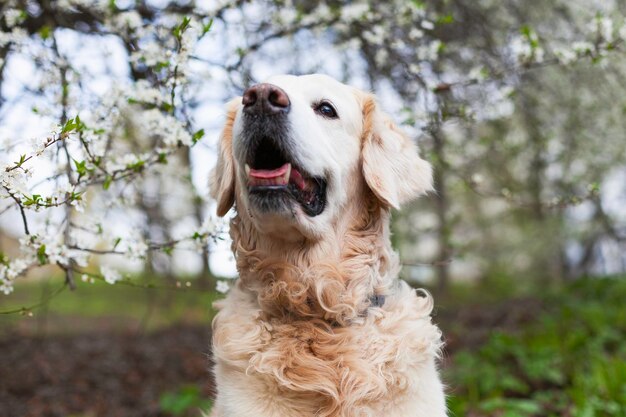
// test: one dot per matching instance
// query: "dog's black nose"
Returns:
(265, 99)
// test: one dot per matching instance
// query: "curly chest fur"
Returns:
(299, 367)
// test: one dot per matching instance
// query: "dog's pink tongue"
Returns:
(297, 179)
(278, 176)
(269, 173)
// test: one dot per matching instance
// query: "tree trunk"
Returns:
(442, 206)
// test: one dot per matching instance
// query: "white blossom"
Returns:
(428, 25)
(98, 5)
(602, 27)
(477, 73)
(287, 16)
(17, 35)
(414, 69)
(215, 5)
(381, 56)
(622, 32)
(137, 249)
(416, 33)
(6, 286)
(354, 11)
(79, 203)
(126, 20)
(565, 55)
(145, 93)
(477, 178)
(150, 54)
(155, 123)
(582, 47)
(430, 51)
(13, 17)
(208, 226)
(222, 286)
(15, 180)
(525, 49)
(18, 266)
(111, 276)
(80, 258)
(375, 35)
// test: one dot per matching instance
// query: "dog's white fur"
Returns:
(297, 336)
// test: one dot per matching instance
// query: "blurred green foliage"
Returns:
(121, 306)
(185, 401)
(568, 359)
(571, 361)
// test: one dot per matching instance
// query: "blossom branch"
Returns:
(21, 208)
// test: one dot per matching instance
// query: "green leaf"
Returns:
(41, 255)
(71, 125)
(530, 35)
(81, 167)
(167, 107)
(76, 196)
(180, 29)
(107, 182)
(30, 201)
(112, 6)
(116, 242)
(444, 20)
(45, 32)
(21, 161)
(80, 126)
(197, 136)
(161, 65)
(136, 166)
(206, 28)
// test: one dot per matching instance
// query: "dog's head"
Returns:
(297, 149)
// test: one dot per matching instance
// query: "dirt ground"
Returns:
(123, 374)
(100, 374)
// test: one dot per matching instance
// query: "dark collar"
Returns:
(377, 300)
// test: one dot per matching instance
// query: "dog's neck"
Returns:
(334, 279)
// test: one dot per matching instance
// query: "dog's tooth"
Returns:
(247, 168)
(286, 175)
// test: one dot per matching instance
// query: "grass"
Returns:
(570, 361)
(118, 306)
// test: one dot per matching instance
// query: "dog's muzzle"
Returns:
(275, 177)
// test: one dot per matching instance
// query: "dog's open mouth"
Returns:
(272, 177)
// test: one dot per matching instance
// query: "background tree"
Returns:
(517, 105)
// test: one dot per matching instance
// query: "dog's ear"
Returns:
(391, 164)
(222, 178)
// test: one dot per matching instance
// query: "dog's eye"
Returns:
(326, 109)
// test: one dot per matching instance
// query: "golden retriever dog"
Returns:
(318, 323)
